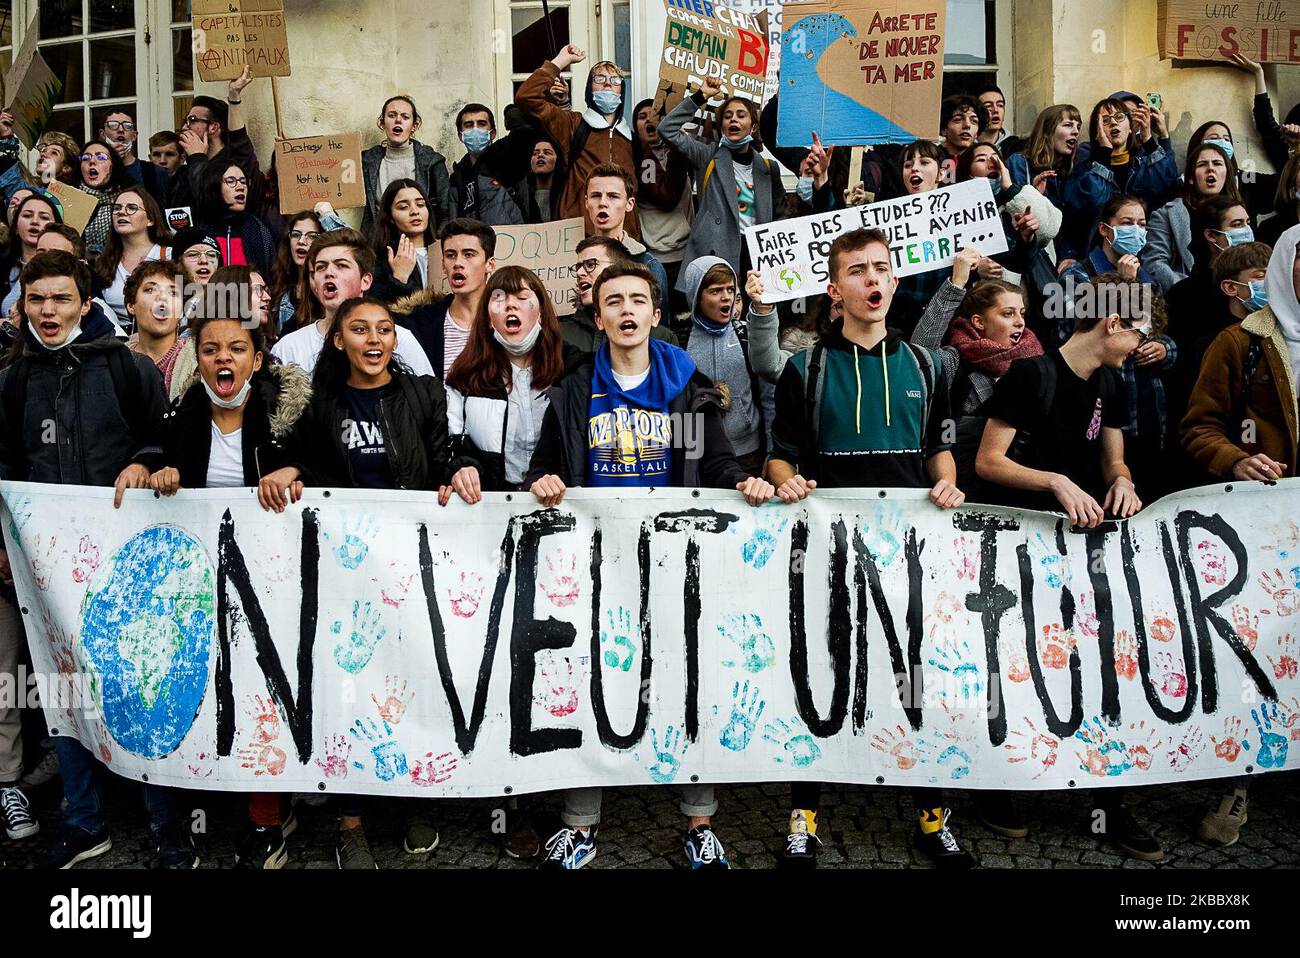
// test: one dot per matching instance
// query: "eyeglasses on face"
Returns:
(130, 209)
(126, 125)
(191, 120)
(584, 266)
(200, 256)
(298, 235)
(605, 80)
(97, 157)
(235, 180)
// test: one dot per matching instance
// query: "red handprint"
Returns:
(105, 748)
(466, 595)
(1173, 680)
(435, 771)
(1246, 626)
(1229, 747)
(266, 718)
(86, 562)
(1214, 565)
(393, 708)
(562, 586)
(1055, 646)
(559, 696)
(263, 760)
(1126, 648)
(1035, 746)
(334, 764)
(1285, 666)
(1284, 596)
(898, 747)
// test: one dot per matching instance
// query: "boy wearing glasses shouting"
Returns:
(597, 136)
(594, 255)
(212, 138)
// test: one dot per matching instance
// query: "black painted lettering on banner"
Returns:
(1059, 728)
(909, 678)
(837, 631)
(992, 601)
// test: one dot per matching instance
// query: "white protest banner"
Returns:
(315, 169)
(925, 232)
(374, 642)
(706, 39)
(548, 249)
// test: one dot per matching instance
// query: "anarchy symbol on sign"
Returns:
(211, 59)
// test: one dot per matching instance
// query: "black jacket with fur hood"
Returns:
(276, 402)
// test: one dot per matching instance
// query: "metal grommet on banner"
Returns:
(509, 497)
(694, 779)
(1250, 769)
(25, 612)
(157, 494)
(880, 780)
(320, 786)
(1071, 783)
(144, 778)
(695, 493)
(1227, 488)
(54, 731)
(509, 790)
(326, 493)
(883, 494)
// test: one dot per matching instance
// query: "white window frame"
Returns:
(583, 28)
(1004, 50)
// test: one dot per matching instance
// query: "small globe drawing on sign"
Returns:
(790, 278)
(146, 628)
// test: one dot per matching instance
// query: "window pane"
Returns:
(182, 59)
(112, 68)
(65, 60)
(180, 11)
(970, 39)
(181, 110)
(111, 15)
(100, 113)
(531, 45)
(60, 18)
(966, 81)
(6, 23)
(71, 122)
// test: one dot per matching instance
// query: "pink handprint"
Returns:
(203, 765)
(1285, 666)
(562, 587)
(466, 594)
(967, 558)
(1085, 617)
(396, 584)
(86, 562)
(438, 769)
(559, 696)
(1173, 680)
(1214, 565)
(393, 708)
(1284, 596)
(1185, 753)
(334, 764)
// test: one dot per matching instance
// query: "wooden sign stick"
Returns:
(275, 101)
(855, 165)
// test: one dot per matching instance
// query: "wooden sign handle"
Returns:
(855, 165)
(275, 101)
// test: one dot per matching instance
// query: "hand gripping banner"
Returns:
(373, 642)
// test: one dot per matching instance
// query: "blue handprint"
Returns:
(958, 661)
(760, 546)
(355, 653)
(668, 760)
(358, 533)
(884, 533)
(746, 708)
(622, 650)
(745, 630)
(390, 760)
(799, 747)
(1272, 746)
(1049, 560)
(20, 513)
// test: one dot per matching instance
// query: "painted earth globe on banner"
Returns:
(147, 631)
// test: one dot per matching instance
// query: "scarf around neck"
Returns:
(987, 356)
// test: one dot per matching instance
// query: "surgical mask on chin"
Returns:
(524, 346)
(234, 402)
(76, 331)
(1225, 145)
(740, 144)
(1258, 294)
(606, 101)
(805, 188)
(476, 140)
(1129, 240)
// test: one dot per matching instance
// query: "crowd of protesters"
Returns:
(1061, 399)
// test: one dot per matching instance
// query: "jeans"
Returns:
(582, 805)
(11, 721)
(78, 769)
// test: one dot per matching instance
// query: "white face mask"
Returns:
(76, 331)
(524, 346)
(235, 402)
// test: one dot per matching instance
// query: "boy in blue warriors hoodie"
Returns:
(637, 414)
(864, 408)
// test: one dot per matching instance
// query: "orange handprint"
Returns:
(1055, 646)
(1126, 648)
(1230, 746)
(898, 747)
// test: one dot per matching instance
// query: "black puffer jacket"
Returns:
(102, 400)
(414, 424)
(276, 401)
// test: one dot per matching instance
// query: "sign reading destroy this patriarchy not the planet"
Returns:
(703, 40)
(860, 72)
(320, 169)
(375, 642)
(925, 232)
(232, 34)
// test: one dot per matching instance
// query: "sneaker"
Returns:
(74, 845)
(942, 846)
(262, 847)
(44, 771)
(352, 849)
(17, 812)
(1222, 825)
(569, 848)
(522, 840)
(421, 836)
(704, 850)
(1001, 814)
(1132, 837)
(802, 843)
(175, 848)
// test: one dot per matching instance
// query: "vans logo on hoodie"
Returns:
(914, 394)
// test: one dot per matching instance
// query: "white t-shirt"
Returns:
(115, 295)
(453, 342)
(226, 459)
(481, 420)
(302, 348)
(628, 383)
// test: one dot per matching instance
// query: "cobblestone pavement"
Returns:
(862, 827)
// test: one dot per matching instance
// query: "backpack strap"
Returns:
(925, 363)
(13, 400)
(129, 389)
(814, 385)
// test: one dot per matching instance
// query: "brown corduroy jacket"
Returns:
(601, 147)
(1220, 429)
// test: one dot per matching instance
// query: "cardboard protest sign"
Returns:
(1194, 30)
(31, 89)
(771, 10)
(77, 207)
(860, 72)
(548, 249)
(229, 34)
(703, 39)
(315, 169)
(925, 232)
(520, 673)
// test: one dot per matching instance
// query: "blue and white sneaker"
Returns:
(569, 848)
(704, 850)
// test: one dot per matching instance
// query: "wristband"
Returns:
(233, 102)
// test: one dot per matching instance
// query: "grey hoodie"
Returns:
(721, 357)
